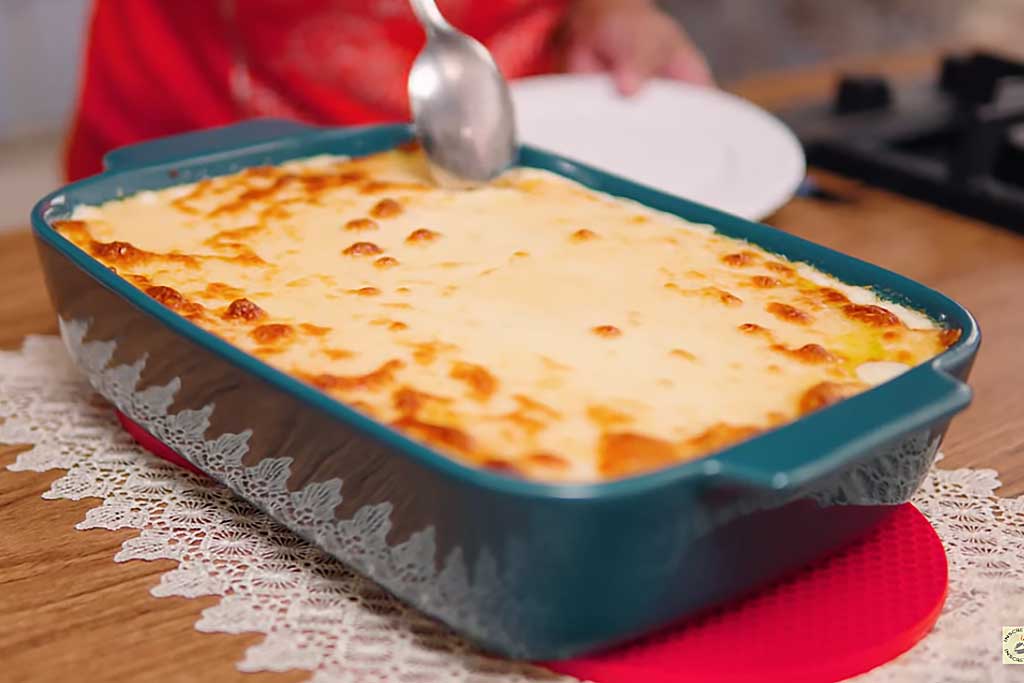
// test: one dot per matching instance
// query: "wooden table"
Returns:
(67, 610)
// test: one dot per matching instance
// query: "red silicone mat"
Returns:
(840, 617)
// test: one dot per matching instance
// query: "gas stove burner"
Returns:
(957, 142)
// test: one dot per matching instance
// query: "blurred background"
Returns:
(40, 43)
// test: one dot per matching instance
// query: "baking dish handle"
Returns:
(826, 442)
(201, 143)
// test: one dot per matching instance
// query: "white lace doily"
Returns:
(319, 616)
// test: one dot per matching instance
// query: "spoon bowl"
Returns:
(461, 105)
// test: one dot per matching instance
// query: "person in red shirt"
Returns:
(160, 67)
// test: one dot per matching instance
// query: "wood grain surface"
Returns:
(68, 612)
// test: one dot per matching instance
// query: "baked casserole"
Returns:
(531, 326)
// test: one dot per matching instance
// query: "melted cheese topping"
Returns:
(532, 326)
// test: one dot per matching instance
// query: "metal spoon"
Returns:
(461, 105)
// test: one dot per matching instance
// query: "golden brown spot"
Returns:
(409, 401)
(683, 353)
(788, 313)
(530, 416)
(197, 192)
(808, 353)
(243, 309)
(349, 177)
(362, 249)
(725, 297)
(482, 383)
(243, 255)
(520, 254)
(421, 235)
(253, 195)
(764, 282)
(274, 212)
(122, 253)
(173, 299)
(825, 394)
(169, 297)
(950, 336)
(383, 375)
(363, 407)
(386, 208)
(625, 453)
(435, 434)
(752, 328)
(832, 296)
(361, 224)
(377, 186)
(76, 231)
(338, 354)
(398, 326)
(891, 335)
(547, 461)
(904, 356)
(365, 291)
(606, 331)
(315, 330)
(402, 290)
(316, 183)
(524, 421)
(583, 235)
(872, 315)
(639, 219)
(740, 259)
(607, 417)
(529, 404)
(386, 262)
(500, 466)
(778, 267)
(426, 353)
(268, 334)
(182, 205)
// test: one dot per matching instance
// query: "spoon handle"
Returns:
(430, 16)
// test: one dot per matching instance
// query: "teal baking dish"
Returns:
(525, 569)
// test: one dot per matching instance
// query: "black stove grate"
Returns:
(957, 142)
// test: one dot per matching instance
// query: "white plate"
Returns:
(698, 143)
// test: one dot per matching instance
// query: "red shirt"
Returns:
(159, 67)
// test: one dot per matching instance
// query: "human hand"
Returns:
(633, 40)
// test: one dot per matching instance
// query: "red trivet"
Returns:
(839, 617)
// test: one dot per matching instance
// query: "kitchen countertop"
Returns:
(67, 610)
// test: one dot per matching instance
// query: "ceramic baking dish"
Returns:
(524, 568)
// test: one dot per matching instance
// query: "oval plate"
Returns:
(695, 142)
